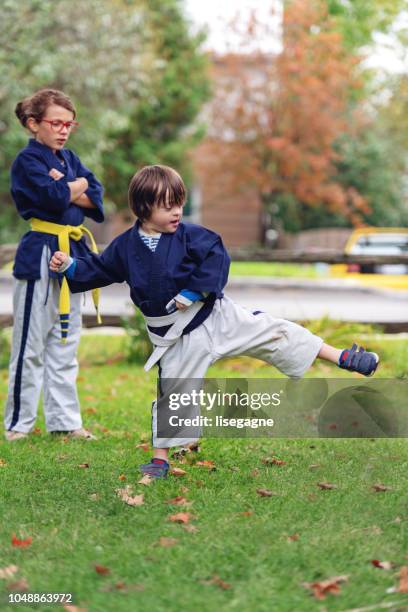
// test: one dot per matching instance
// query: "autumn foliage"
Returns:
(276, 117)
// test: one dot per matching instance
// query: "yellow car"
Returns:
(376, 241)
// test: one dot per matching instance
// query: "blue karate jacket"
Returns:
(37, 195)
(192, 258)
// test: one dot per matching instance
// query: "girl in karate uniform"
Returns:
(54, 192)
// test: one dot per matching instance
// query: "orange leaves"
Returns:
(273, 461)
(145, 446)
(321, 589)
(385, 565)
(403, 577)
(181, 517)
(102, 570)
(16, 542)
(216, 580)
(179, 501)
(207, 464)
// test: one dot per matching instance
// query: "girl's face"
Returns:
(52, 136)
(163, 219)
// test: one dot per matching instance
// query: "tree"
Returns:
(157, 129)
(280, 117)
(106, 54)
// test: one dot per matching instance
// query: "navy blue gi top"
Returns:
(38, 195)
(192, 258)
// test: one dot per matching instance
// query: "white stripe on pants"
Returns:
(229, 331)
(40, 360)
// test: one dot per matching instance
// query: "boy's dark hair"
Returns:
(155, 185)
(36, 105)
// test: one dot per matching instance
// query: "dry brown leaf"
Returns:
(179, 501)
(322, 588)
(314, 466)
(8, 572)
(122, 477)
(403, 576)
(3, 462)
(146, 480)
(326, 485)
(216, 580)
(91, 411)
(129, 499)
(167, 542)
(83, 465)
(293, 538)
(190, 528)
(18, 585)
(207, 464)
(273, 461)
(102, 570)
(144, 446)
(72, 608)
(265, 492)
(385, 565)
(181, 517)
(380, 488)
(245, 513)
(178, 472)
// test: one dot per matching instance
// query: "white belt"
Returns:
(178, 321)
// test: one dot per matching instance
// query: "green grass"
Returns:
(76, 520)
(266, 268)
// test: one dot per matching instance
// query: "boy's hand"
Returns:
(181, 306)
(57, 260)
(55, 174)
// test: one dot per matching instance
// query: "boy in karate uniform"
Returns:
(176, 273)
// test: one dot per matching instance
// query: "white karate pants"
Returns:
(229, 331)
(38, 358)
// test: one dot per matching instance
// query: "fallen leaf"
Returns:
(144, 446)
(90, 398)
(178, 472)
(293, 538)
(207, 464)
(122, 477)
(314, 466)
(254, 473)
(322, 588)
(83, 465)
(403, 576)
(216, 580)
(273, 461)
(184, 489)
(380, 488)
(73, 608)
(94, 496)
(181, 517)
(245, 513)
(385, 565)
(190, 528)
(129, 499)
(36, 431)
(19, 585)
(146, 480)
(265, 492)
(326, 485)
(91, 411)
(8, 572)
(167, 542)
(21, 543)
(179, 501)
(102, 570)
(2, 463)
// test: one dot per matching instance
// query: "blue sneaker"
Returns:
(360, 361)
(157, 468)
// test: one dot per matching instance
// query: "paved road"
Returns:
(291, 299)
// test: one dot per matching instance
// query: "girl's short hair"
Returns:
(36, 105)
(155, 185)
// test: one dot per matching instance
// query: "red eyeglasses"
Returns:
(57, 125)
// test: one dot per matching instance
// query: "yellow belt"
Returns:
(64, 233)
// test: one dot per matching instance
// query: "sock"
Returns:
(343, 356)
(159, 461)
